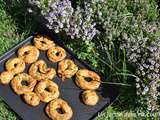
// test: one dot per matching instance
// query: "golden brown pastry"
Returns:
(6, 77)
(43, 42)
(39, 71)
(56, 54)
(23, 83)
(59, 109)
(90, 97)
(82, 76)
(31, 98)
(47, 90)
(15, 65)
(28, 53)
(67, 69)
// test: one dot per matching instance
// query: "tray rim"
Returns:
(14, 47)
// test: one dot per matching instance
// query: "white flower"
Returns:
(137, 85)
(29, 10)
(146, 89)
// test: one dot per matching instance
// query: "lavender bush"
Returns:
(145, 58)
(61, 16)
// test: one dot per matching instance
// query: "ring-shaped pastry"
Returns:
(39, 71)
(31, 98)
(15, 65)
(6, 77)
(43, 42)
(59, 109)
(47, 90)
(67, 68)
(90, 97)
(23, 83)
(28, 53)
(87, 80)
(56, 54)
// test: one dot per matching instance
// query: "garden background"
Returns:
(125, 47)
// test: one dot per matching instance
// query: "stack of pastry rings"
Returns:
(89, 96)
(28, 53)
(56, 54)
(47, 90)
(43, 42)
(31, 98)
(13, 66)
(23, 83)
(39, 71)
(6, 77)
(81, 81)
(67, 68)
(65, 112)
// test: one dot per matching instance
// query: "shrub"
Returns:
(61, 16)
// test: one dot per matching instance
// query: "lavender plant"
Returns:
(138, 36)
(62, 17)
(143, 52)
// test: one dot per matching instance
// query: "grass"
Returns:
(15, 25)
(8, 38)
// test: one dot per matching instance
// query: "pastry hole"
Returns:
(15, 65)
(24, 83)
(26, 53)
(68, 67)
(57, 54)
(43, 42)
(60, 110)
(88, 79)
(38, 70)
(47, 89)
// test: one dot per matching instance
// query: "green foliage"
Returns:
(136, 18)
(5, 112)
(103, 53)
(9, 36)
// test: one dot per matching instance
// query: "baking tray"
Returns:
(69, 91)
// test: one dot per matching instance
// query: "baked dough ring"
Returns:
(6, 77)
(81, 81)
(19, 87)
(47, 90)
(56, 54)
(67, 69)
(90, 97)
(31, 98)
(15, 65)
(39, 71)
(54, 114)
(28, 53)
(43, 42)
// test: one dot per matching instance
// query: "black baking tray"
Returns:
(69, 91)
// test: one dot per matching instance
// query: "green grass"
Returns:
(8, 38)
